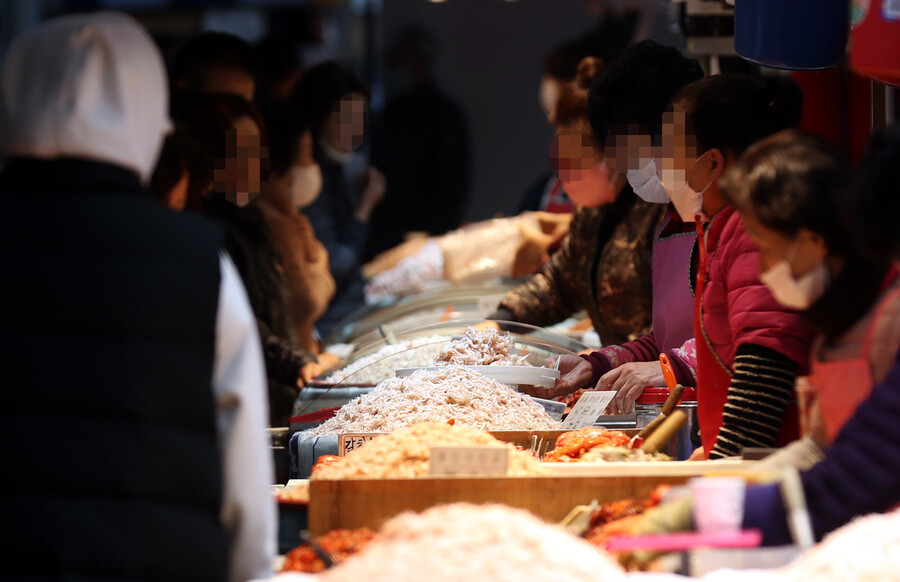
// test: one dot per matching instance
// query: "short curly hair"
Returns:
(639, 88)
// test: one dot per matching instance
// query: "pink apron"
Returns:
(838, 387)
(673, 304)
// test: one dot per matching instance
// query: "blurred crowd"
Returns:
(168, 229)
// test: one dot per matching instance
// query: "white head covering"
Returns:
(87, 86)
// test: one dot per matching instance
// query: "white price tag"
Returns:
(588, 409)
(351, 441)
(488, 304)
(454, 460)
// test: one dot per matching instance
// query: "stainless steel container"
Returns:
(650, 405)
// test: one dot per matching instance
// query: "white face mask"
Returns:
(306, 184)
(334, 155)
(687, 202)
(646, 182)
(796, 293)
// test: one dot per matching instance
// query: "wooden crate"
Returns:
(370, 502)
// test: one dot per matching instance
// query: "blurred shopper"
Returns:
(294, 182)
(125, 325)
(604, 265)
(216, 62)
(230, 129)
(171, 179)
(279, 70)
(750, 348)
(422, 147)
(560, 68)
(335, 100)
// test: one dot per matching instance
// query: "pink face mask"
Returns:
(592, 187)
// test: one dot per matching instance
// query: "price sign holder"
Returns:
(588, 409)
(461, 460)
(350, 441)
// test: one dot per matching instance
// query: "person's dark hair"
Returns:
(874, 207)
(320, 90)
(415, 43)
(730, 112)
(792, 181)
(174, 161)
(572, 105)
(277, 59)
(207, 118)
(562, 62)
(194, 59)
(638, 88)
(285, 127)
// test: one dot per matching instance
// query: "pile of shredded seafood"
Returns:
(451, 393)
(489, 543)
(406, 453)
(486, 347)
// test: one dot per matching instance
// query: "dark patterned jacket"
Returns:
(610, 280)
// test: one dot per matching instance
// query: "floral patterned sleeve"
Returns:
(684, 361)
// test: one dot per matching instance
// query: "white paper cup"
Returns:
(718, 503)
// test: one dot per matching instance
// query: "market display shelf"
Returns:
(514, 375)
(305, 449)
(370, 502)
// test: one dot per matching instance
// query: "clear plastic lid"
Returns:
(549, 342)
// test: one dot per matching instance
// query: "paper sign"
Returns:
(488, 304)
(588, 409)
(453, 460)
(351, 441)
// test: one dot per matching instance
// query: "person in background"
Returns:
(279, 70)
(421, 145)
(216, 62)
(230, 130)
(334, 100)
(831, 249)
(750, 348)
(294, 182)
(160, 470)
(604, 265)
(171, 180)
(560, 67)
(649, 73)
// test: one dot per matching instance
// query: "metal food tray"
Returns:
(468, 301)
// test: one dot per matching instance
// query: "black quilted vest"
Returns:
(109, 463)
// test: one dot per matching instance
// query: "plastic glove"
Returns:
(801, 455)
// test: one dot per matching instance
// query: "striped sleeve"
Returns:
(761, 388)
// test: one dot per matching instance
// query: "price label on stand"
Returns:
(454, 460)
(588, 409)
(488, 304)
(351, 441)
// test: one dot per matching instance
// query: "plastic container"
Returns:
(875, 40)
(804, 35)
(718, 503)
(650, 404)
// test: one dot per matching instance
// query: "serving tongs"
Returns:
(317, 549)
(668, 412)
(577, 521)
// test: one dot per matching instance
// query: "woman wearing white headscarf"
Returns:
(122, 324)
